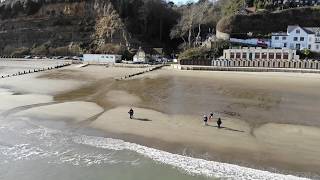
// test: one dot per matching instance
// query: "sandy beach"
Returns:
(270, 120)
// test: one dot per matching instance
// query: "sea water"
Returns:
(37, 149)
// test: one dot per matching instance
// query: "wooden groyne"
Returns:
(139, 73)
(132, 65)
(36, 70)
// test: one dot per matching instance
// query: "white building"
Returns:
(101, 58)
(140, 57)
(263, 58)
(298, 38)
(260, 54)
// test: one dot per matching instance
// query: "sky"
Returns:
(183, 1)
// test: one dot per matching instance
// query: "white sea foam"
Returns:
(189, 164)
(54, 145)
(72, 156)
(29, 152)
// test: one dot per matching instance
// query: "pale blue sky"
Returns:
(182, 1)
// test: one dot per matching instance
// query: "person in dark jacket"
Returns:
(205, 120)
(219, 122)
(131, 112)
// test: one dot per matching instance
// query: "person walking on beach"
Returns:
(205, 120)
(131, 112)
(211, 116)
(219, 122)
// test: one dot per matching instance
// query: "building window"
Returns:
(264, 55)
(257, 55)
(276, 38)
(297, 46)
(317, 46)
(285, 56)
(284, 38)
(232, 55)
(298, 31)
(278, 55)
(295, 39)
(244, 55)
(271, 55)
(238, 55)
(284, 44)
(309, 46)
(301, 38)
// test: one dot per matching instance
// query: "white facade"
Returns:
(298, 38)
(101, 58)
(252, 41)
(140, 57)
(260, 54)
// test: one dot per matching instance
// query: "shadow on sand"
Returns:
(142, 119)
(228, 129)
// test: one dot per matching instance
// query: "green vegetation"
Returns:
(307, 54)
(202, 53)
(230, 7)
(149, 21)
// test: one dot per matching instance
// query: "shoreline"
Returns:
(197, 151)
(218, 144)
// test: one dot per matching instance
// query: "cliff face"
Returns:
(59, 27)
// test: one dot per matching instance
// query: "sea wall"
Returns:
(243, 69)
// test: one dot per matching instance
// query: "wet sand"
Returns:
(270, 119)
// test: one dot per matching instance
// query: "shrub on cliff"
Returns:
(59, 51)
(193, 53)
(110, 49)
(40, 50)
(215, 51)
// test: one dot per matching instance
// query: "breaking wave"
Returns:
(68, 153)
(188, 164)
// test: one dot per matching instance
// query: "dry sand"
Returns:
(270, 119)
(76, 111)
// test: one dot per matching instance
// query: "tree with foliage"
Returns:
(148, 20)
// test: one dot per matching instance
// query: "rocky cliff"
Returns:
(60, 27)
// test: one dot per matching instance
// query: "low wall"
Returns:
(222, 35)
(244, 69)
(294, 64)
(199, 62)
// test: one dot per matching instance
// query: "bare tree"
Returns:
(201, 10)
(185, 26)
